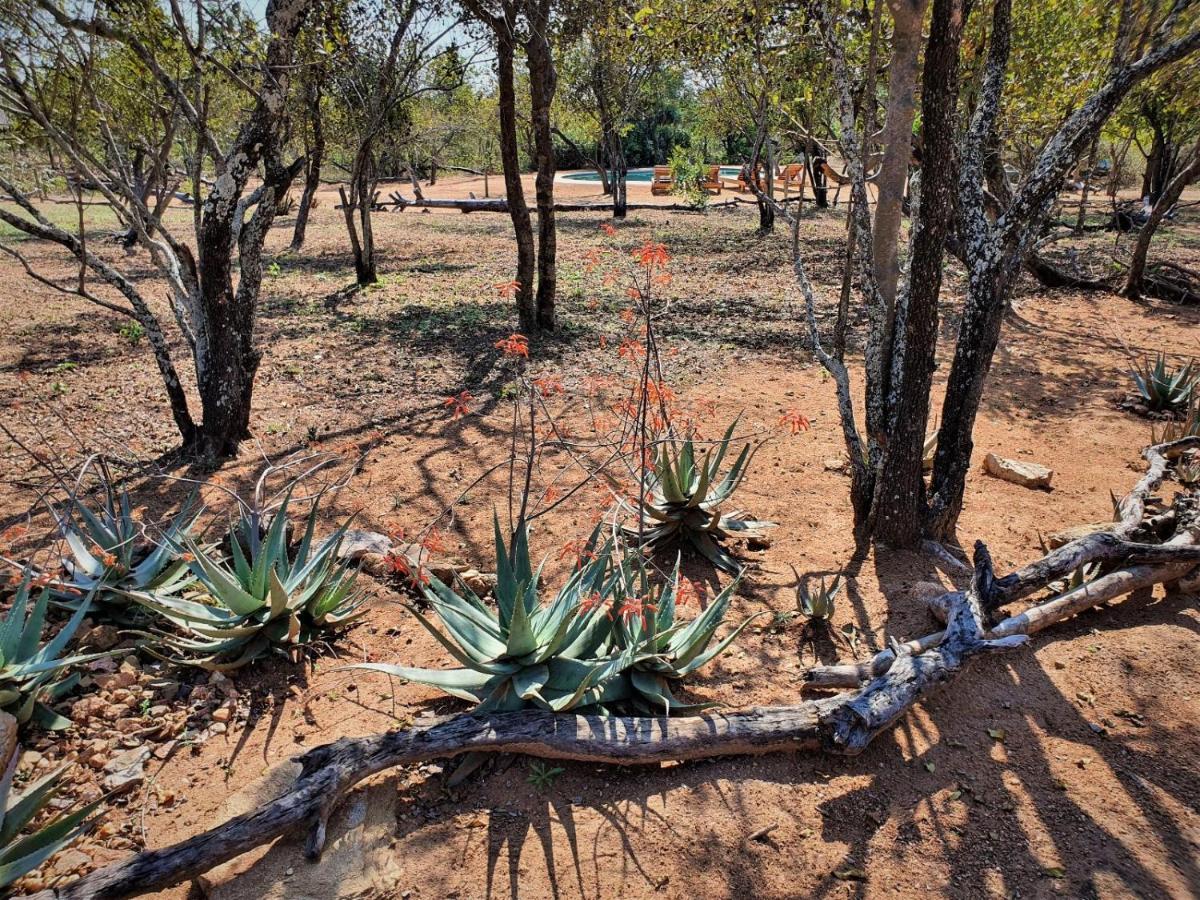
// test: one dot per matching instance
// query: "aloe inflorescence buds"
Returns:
(683, 494)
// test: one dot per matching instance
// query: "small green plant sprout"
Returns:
(605, 640)
(23, 849)
(542, 776)
(132, 332)
(111, 555)
(1164, 387)
(274, 270)
(818, 606)
(683, 498)
(266, 597)
(33, 674)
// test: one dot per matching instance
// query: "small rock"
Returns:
(102, 637)
(219, 728)
(30, 758)
(835, 464)
(126, 771)
(166, 689)
(70, 861)
(1026, 474)
(222, 714)
(356, 544)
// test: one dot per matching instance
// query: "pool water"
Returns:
(645, 175)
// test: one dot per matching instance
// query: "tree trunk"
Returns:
(543, 81)
(899, 516)
(312, 167)
(514, 192)
(766, 211)
(1081, 217)
(1168, 198)
(615, 151)
(907, 16)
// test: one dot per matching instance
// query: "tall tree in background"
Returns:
(389, 55)
(607, 73)
(182, 59)
(526, 25)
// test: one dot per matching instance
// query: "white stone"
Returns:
(1026, 474)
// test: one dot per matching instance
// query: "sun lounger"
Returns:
(662, 181)
(712, 180)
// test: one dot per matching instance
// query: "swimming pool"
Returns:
(645, 175)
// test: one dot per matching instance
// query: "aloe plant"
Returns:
(33, 674)
(1163, 387)
(666, 650)
(111, 557)
(23, 850)
(818, 605)
(683, 494)
(591, 645)
(265, 597)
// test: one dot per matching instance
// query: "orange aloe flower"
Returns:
(549, 385)
(651, 254)
(508, 289)
(794, 421)
(459, 404)
(608, 228)
(514, 345)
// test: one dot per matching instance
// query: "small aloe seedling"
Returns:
(267, 597)
(1164, 387)
(33, 674)
(818, 605)
(111, 557)
(683, 496)
(22, 850)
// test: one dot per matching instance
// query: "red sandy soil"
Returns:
(1093, 790)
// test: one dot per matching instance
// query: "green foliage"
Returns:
(688, 170)
(110, 555)
(542, 776)
(1164, 387)
(607, 640)
(33, 674)
(683, 496)
(265, 597)
(818, 606)
(132, 332)
(21, 852)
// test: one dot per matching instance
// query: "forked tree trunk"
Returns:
(1168, 198)
(900, 502)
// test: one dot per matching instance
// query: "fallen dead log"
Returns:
(500, 205)
(842, 725)
(1144, 565)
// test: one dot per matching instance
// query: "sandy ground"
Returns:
(1091, 792)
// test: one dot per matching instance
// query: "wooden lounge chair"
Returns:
(794, 175)
(662, 181)
(712, 180)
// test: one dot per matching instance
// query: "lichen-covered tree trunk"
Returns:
(312, 166)
(1169, 197)
(899, 514)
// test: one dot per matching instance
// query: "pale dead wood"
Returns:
(1143, 565)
